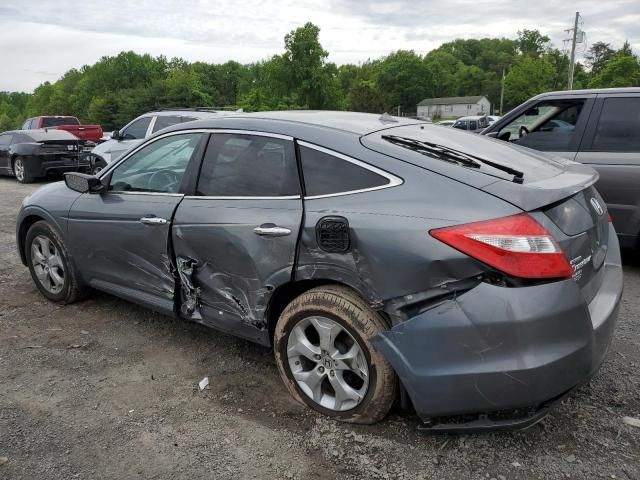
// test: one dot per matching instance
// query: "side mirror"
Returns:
(83, 183)
(115, 135)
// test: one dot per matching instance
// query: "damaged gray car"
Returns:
(384, 260)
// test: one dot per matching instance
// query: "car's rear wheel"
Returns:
(21, 172)
(325, 357)
(48, 261)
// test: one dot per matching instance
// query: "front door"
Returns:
(5, 142)
(235, 239)
(551, 125)
(120, 237)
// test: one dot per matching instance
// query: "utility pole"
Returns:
(573, 51)
(502, 93)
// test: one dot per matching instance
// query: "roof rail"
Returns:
(200, 109)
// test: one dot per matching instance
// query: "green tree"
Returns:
(598, 56)
(529, 76)
(531, 43)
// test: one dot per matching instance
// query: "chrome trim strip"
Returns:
(191, 130)
(208, 197)
(164, 194)
(393, 180)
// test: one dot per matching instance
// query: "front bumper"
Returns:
(495, 349)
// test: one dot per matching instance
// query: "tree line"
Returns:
(116, 89)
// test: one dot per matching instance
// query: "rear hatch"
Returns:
(84, 132)
(551, 189)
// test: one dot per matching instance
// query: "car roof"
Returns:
(353, 122)
(191, 112)
(590, 91)
(472, 117)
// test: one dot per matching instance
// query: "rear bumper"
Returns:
(495, 349)
(43, 165)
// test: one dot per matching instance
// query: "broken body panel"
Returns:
(462, 337)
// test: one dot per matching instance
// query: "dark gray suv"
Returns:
(375, 255)
(600, 128)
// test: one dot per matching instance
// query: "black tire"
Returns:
(354, 315)
(20, 171)
(72, 289)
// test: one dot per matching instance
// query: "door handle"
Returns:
(271, 230)
(153, 221)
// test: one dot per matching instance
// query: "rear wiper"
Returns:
(451, 155)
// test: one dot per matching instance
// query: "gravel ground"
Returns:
(105, 389)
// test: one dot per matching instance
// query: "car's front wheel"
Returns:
(325, 357)
(49, 264)
(21, 172)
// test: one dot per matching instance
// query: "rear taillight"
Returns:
(516, 245)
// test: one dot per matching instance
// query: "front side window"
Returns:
(461, 124)
(326, 174)
(548, 126)
(618, 126)
(157, 167)
(26, 125)
(239, 165)
(137, 130)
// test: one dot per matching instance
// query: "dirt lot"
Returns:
(105, 389)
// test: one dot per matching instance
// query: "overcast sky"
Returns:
(42, 39)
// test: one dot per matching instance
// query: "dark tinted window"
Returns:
(325, 174)
(57, 121)
(248, 166)
(165, 121)
(619, 126)
(137, 129)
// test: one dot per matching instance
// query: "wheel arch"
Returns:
(26, 220)
(284, 294)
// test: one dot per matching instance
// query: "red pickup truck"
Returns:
(70, 124)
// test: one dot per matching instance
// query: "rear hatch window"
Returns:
(58, 121)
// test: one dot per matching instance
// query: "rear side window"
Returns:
(237, 165)
(137, 130)
(326, 174)
(57, 122)
(618, 127)
(164, 121)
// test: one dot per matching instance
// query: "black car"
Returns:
(31, 154)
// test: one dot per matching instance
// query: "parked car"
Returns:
(472, 123)
(446, 123)
(137, 130)
(493, 118)
(32, 154)
(92, 133)
(369, 252)
(600, 128)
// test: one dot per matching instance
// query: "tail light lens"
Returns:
(516, 245)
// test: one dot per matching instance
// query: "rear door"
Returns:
(611, 145)
(120, 238)
(235, 238)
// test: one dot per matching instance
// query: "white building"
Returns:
(454, 107)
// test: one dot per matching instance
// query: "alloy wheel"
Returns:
(47, 264)
(328, 363)
(18, 169)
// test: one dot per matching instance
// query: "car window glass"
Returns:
(548, 126)
(137, 129)
(58, 121)
(326, 174)
(157, 167)
(461, 124)
(618, 127)
(164, 121)
(238, 165)
(473, 125)
(26, 125)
